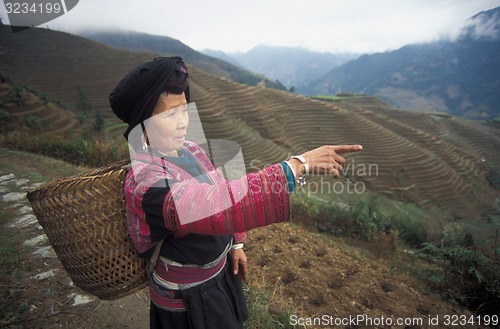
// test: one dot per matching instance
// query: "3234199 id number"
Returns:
(34, 8)
(473, 320)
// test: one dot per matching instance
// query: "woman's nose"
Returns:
(183, 121)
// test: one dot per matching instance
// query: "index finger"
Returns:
(346, 148)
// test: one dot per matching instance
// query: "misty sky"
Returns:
(321, 25)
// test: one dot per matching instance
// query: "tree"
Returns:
(99, 121)
(4, 118)
(81, 118)
(33, 122)
(83, 103)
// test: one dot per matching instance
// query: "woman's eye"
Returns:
(173, 111)
(168, 113)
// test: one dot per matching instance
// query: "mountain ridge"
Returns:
(458, 76)
(293, 66)
(166, 46)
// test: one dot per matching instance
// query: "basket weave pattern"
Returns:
(84, 220)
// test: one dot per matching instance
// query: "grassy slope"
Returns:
(36, 168)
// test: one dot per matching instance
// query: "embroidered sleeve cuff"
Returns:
(239, 237)
(289, 175)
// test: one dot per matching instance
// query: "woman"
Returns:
(181, 211)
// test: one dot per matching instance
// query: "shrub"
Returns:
(362, 219)
(60, 104)
(410, 230)
(83, 103)
(77, 151)
(494, 179)
(81, 118)
(16, 90)
(261, 313)
(471, 278)
(4, 119)
(42, 95)
(99, 121)
(32, 122)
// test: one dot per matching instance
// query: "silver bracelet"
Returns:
(303, 161)
(301, 180)
(237, 246)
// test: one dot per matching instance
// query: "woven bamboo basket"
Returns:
(84, 220)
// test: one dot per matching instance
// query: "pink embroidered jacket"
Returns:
(195, 217)
(255, 200)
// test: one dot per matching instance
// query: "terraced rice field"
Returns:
(430, 159)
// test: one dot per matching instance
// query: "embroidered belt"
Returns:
(172, 300)
(170, 278)
(176, 276)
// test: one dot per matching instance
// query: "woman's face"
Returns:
(166, 129)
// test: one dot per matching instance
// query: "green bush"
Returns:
(494, 179)
(79, 151)
(16, 90)
(262, 314)
(361, 219)
(99, 121)
(410, 230)
(83, 104)
(471, 278)
(32, 122)
(4, 119)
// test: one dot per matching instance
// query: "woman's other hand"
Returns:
(239, 263)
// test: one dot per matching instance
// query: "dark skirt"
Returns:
(217, 303)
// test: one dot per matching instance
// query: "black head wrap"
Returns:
(134, 98)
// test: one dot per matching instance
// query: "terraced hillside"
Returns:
(428, 159)
(33, 112)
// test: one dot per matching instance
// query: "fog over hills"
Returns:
(293, 67)
(459, 77)
(166, 46)
(454, 76)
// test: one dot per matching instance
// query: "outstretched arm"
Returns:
(255, 200)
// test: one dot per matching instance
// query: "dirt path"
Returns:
(39, 285)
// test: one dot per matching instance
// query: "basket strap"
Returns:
(154, 258)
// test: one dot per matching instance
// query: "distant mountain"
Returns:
(222, 55)
(291, 66)
(460, 77)
(136, 41)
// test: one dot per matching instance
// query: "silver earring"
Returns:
(145, 146)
